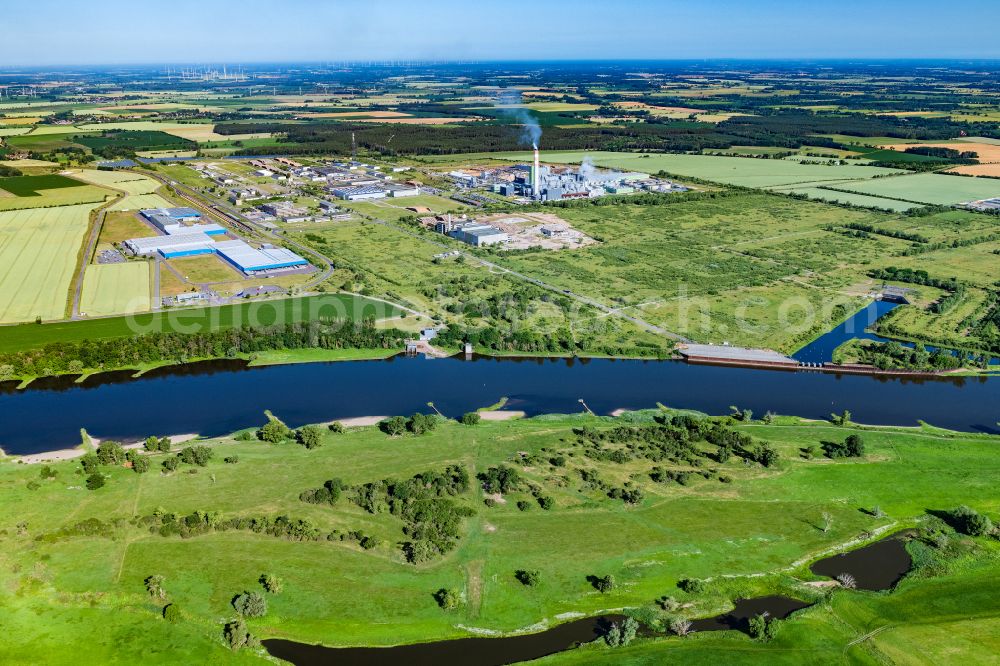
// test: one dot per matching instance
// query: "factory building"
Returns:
(285, 210)
(170, 220)
(249, 260)
(181, 214)
(358, 193)
(479, 235)
(240, 254)
(403, 191)
(169, 247)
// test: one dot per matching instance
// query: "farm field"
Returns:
(265, 313)
(38, 254)
(141, 189)
(132, 140)
(988, 170)
(55, 129)
(133, 183)
(746, 172)
(930, 188)
(205, 133)
(26, 192)
(136, 126)
(671, 532)
(114, 289)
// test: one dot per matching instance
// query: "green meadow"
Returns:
(743, 171)
(74, 560)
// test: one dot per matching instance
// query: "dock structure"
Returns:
(727, 355)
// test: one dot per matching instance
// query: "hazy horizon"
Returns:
(121, 32)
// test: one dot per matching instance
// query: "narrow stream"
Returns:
(877, 566)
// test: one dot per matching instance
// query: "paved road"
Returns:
(95, 233)
(157, 299)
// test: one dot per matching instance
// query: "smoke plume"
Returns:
(531, 131)
(587, 169)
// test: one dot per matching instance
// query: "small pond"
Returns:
(878, 566)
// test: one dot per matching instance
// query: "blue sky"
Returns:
(44, 32)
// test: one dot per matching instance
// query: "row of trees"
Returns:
(105, 354)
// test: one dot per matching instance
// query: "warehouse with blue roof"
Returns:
(240, 254)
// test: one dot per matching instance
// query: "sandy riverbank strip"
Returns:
(359, 421)
(501, 414)
(79, 452)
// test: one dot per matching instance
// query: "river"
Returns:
(218, 397)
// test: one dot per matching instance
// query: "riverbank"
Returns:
(80, 451)
(319, 355)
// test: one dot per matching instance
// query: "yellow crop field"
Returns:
(38, 255)
(63, 196)
(145, 125)
(133, 183)
(115, 289)
(28, 164)
(52, 129)
(204, 133)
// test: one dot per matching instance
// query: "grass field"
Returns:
(742, 171)
(38, 255)
(925, 621)
(140, 202)
(205, 268)
(267, 313)
(57, 590)
(115, 289)
(717, 270)
(930, 188)
(121, 226)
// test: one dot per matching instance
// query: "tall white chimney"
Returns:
(535, 175)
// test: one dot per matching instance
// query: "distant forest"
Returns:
(792, 129)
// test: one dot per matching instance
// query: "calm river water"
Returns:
(217, 397)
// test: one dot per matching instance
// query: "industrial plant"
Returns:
(538, 182)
